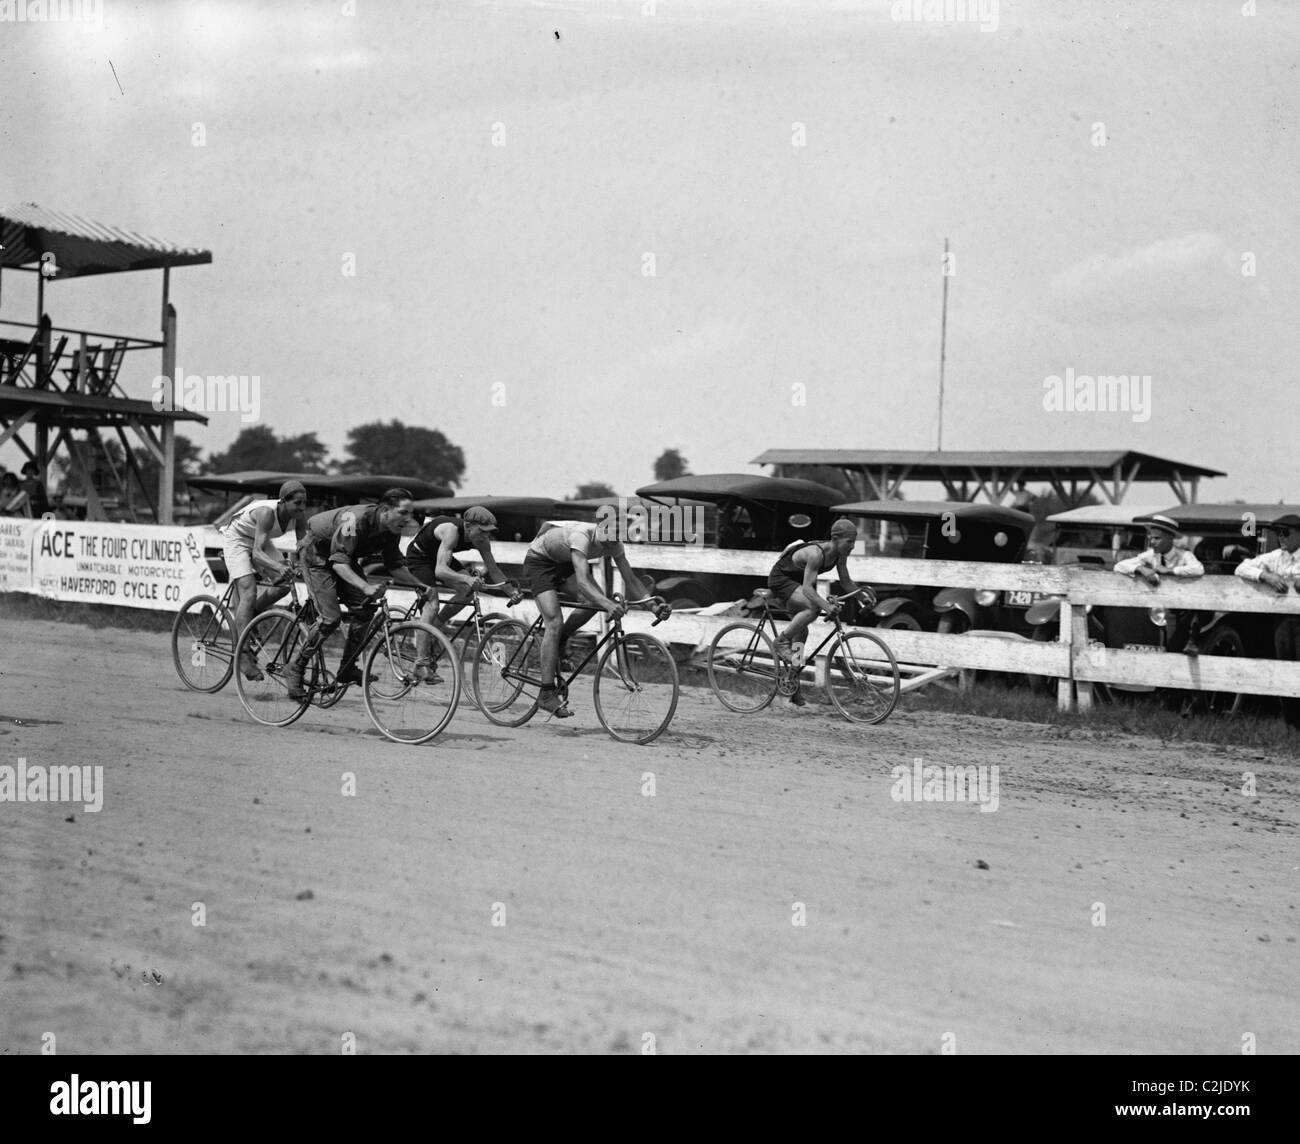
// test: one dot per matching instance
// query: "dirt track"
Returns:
(625, 915)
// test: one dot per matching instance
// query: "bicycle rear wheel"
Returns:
(743, 668)
(862, 677)
(505, 675)
(273, 640)
(203, 643)
(636, 688)
(403, 707)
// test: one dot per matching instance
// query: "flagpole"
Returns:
(943, 340)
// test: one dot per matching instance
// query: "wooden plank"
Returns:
(1208, 593)
(1193, 673)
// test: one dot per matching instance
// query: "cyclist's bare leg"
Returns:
(548, 603)
(245, 609)
(797, 630)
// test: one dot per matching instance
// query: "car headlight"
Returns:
(1158, 617)
(986, 597)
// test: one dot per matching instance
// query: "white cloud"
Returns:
(1180, 279)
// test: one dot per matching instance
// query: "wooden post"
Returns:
(1079, 644)
(167, 474)
(1065, 686)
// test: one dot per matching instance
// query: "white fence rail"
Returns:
(118, 564)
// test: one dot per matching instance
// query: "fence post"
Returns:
(1079, 643)
(1065, 686)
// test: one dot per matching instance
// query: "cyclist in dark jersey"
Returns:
(431, 557)
(793, 581)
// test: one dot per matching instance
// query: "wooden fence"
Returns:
(1073, 660)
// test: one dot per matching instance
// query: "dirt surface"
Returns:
(626, 915)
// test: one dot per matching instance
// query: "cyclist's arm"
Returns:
(262, 551)
(846, 582)
(586, 584)
(811, 570)
(490, 566)
(443, 571)
(633, 586)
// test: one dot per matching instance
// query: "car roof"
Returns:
(352, 485)
(521, 506)
(715, 486)
(1104, 514)
(961, 510)
(1191, 517)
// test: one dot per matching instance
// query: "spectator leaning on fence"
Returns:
(1162, 558)
(1280, 570)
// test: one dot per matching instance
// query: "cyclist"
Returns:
(248, 548)
(793, 581)
(431, 558)
(336, 545)
(558, 559)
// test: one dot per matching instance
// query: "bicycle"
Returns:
(475, 626)
(862, 677)
(403, 706)
(635, 690)
(203, 637)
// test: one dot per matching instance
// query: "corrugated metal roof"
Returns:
(1037, 463)
(82, 246)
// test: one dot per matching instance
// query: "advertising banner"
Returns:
(16, 553)
(133, 565)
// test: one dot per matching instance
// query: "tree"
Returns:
(407, 450)
(670, 465)
(258, 447)
(593, 489)
(188, 464)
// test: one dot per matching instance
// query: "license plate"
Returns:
(1021, 599)
(1142, 647)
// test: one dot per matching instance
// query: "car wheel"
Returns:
(1222, 640)
(903, 620)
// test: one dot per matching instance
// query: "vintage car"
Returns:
(323, 492)
(737, 511)
(1219, 535)
(518, 518)
(937, 530)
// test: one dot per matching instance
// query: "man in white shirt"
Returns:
(559, 560)
(1280, 570)
(1162, 558)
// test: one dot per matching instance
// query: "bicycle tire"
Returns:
(193, 628)
(494, 692)
(413, 711)
(634, 674)
(272, 645)
(863, 688)
(746, 684)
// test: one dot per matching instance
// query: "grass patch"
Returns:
(24, 606)
(1156, 716)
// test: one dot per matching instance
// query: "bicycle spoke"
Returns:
(862, 678)
(203, 643)
(405, 703)
(271, 641)
(743, 668)
(636, 688)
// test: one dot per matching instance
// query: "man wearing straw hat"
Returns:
(1161, 558)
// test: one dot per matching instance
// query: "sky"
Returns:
(715, 227)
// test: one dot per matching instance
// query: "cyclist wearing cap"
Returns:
(1161, 557)
(336, 545)
(431, 558)
(248, 548)
(558, 559)
(793, 581)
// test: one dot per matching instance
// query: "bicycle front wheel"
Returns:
(404, 707)
(203, 643)
(273, 640)
(743, 668)
(507, 674)
(862, 677)
(636, 688)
